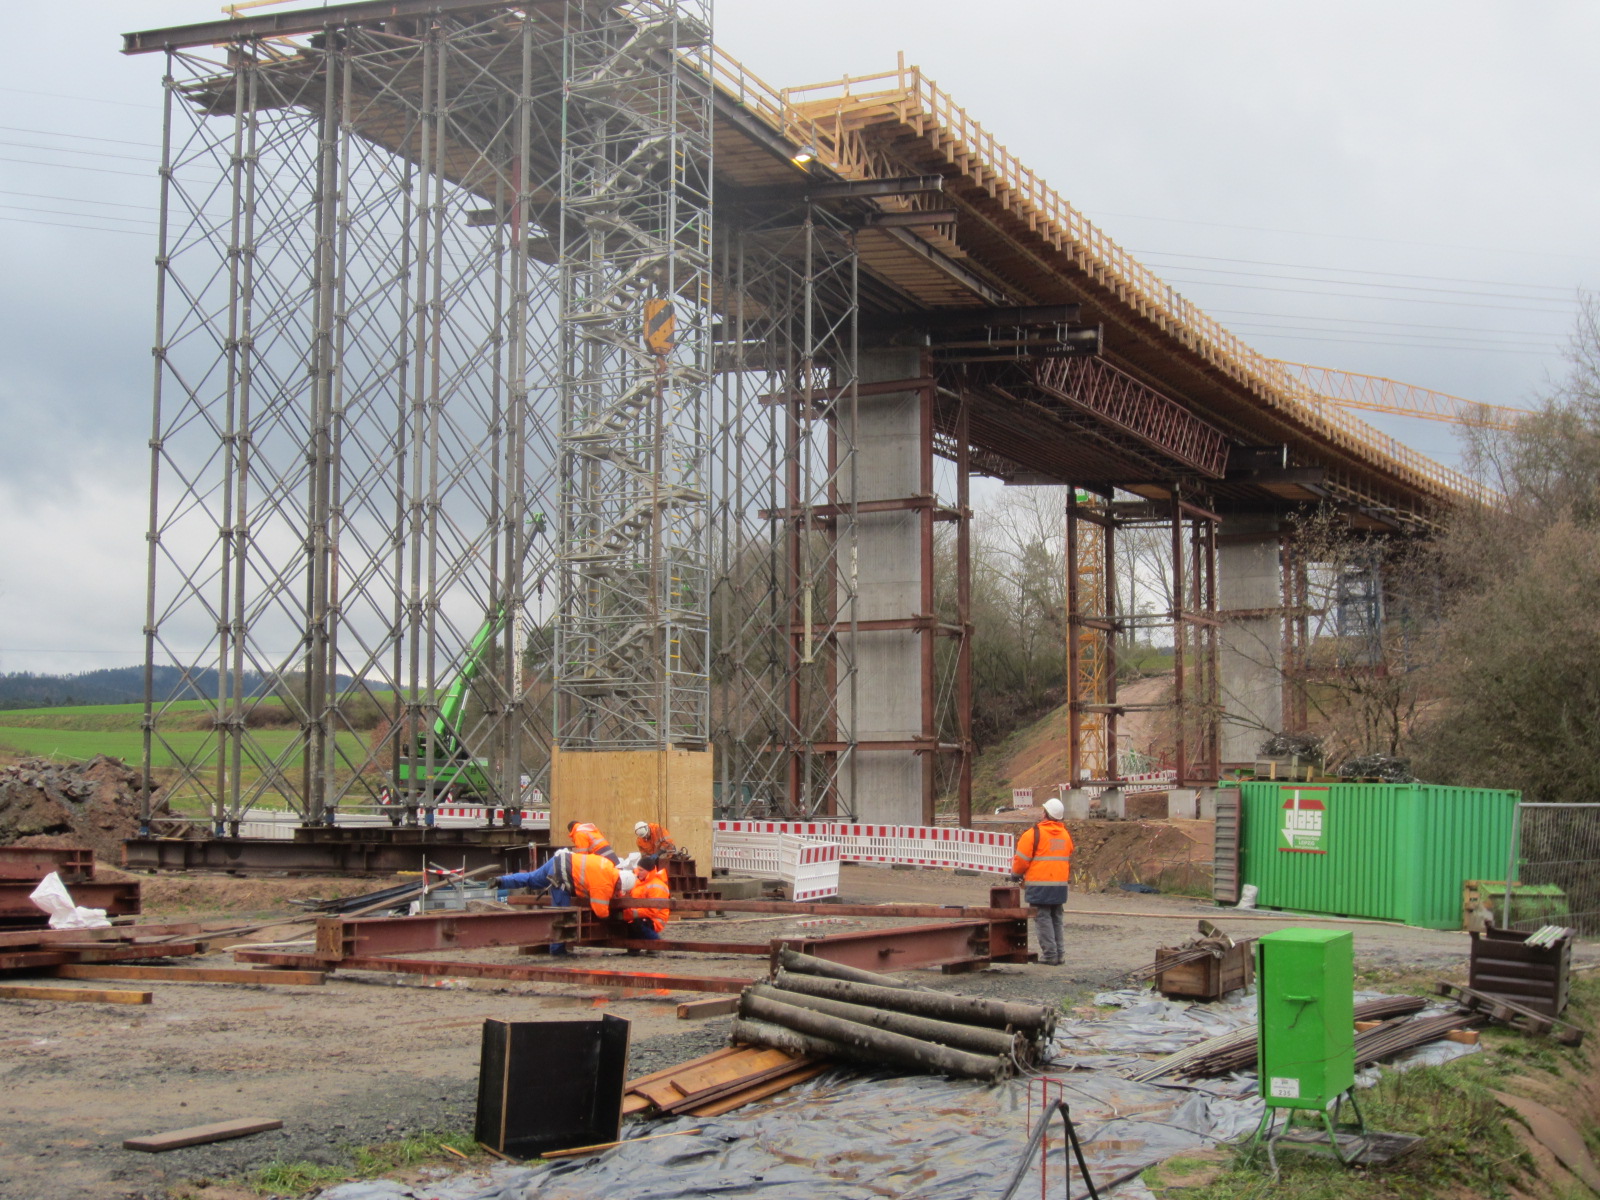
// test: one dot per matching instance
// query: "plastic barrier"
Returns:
(809, 867)
(906, 845)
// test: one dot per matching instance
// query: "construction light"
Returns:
(804, 155)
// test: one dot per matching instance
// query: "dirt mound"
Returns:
(93, 804)
(1170, 856)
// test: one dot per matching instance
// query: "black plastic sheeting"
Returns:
(849, 1135)
(863, 1135)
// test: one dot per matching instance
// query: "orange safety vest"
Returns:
(1044, 854)
(594, 879)
(587, 839)
(653, 885)
(654, 842)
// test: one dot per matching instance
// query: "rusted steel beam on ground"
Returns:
(375, 857)
(945, 944)
(340, 938)
(625, 943)
(98, 952)
(512, 971)
(118, 899)
(801, 908)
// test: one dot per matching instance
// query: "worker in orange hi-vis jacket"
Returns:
(1043, 862)
(652, 838)
(572, 875)
(646, 924)
(587, 839)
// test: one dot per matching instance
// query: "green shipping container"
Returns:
(1393, 851)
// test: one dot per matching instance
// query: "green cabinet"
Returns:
(1306, 1015)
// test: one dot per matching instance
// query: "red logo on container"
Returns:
(1304, 809)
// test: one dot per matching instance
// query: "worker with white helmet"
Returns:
(1043, 862)
(652, 838)
(573, 875)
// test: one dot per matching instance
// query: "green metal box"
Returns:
(1394, 851)
(1306, 1016)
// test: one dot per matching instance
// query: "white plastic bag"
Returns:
(52, 896)
(1247, 895)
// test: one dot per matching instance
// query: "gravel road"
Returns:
(370, 1058)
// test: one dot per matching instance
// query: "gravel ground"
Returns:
(369, 1058)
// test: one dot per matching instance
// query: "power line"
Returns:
(83, 200)
(63, 225)
(32, 162)
(86, 99)
(87, 137)
(74, 150)
(58, 212)
(1361, 283)
(1549, 287)
(1350, 237)
(1258, 287)
(1235, 312)
(1301, 337)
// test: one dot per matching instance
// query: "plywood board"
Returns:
(615, 788)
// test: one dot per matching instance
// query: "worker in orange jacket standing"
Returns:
(1043, 862)
(652, 838)
(587, 839)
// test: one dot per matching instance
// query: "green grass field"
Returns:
(80, 732)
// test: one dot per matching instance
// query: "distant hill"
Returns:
(116, 685)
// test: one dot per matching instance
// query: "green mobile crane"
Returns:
(455, 772)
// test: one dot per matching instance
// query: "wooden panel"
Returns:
(199, 1135)
(1225, 856)
(615, 788)
(10, 991)
(189, 974)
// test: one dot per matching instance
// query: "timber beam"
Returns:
(520, 972)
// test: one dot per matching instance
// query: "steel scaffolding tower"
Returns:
(632, 637)
(375, 375)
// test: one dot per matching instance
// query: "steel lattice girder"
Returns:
(648, 980)
(1135, 409)
(340, 938)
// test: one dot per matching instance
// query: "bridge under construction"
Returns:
(597, 411)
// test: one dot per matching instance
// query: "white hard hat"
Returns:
(641, 827)
(625, 881)
(629, 863)
(1053, 809)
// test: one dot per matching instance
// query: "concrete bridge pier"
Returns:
(889, 701)
(1250, 597)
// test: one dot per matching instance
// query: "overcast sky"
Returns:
(1400, 189)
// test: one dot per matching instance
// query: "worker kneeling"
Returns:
(1044, 863)
(572, 874)
(646, 924)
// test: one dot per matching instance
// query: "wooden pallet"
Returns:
(1507, 1012)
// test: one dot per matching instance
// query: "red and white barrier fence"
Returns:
(810, 868)
(905, 845)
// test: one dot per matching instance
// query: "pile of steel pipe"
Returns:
(823, 1010)
(1237, 1051)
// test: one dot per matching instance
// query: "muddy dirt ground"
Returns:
(370, 1058)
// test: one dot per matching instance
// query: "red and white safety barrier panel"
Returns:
(906, 845)
(1145, 781)
(530, 816)
(809, 867)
